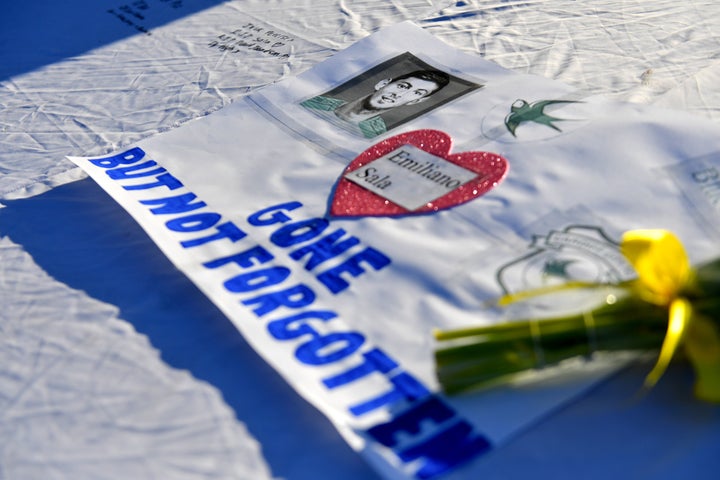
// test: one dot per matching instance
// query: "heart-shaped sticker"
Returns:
(414, 173)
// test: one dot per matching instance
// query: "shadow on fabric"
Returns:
(42, 32)
(82, 238)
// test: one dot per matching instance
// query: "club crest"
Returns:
(577, 253)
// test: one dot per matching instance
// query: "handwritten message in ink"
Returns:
(135, 14)
(254, 38)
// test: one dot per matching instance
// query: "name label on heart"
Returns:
(410, 177)
(417, 174)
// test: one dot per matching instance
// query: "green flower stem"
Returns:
(481, 356)
(477, 357)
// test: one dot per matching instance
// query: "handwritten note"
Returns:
(255, 38)
(135, 14)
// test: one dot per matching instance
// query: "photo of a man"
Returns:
(380, 99)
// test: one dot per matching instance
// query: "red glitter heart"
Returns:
(352, 200)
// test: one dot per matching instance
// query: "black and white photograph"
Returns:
(388, 95)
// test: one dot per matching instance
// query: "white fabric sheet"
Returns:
(660, 52)
(85, 396)
(237, 180)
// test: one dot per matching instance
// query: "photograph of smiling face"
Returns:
(411, 89)
(407, 89)
(388, 95)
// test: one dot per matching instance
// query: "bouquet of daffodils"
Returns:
(668, 306)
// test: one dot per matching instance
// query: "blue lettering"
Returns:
(318, 352)
(375, 360)
(441, 452)
(325, 248)
(297, 296)
(288, 235)
(446, 450)
(127, 172)
(131, 156)
(164, 180)
(253, 280)
(410, 421)
(320, 250)
(193, 223)
(179, 204)
(295, 326)
(252, 256)
(259, 219)
(333, 279)
(405, 387)
(226, 230)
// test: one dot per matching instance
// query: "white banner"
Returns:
(338, 217)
